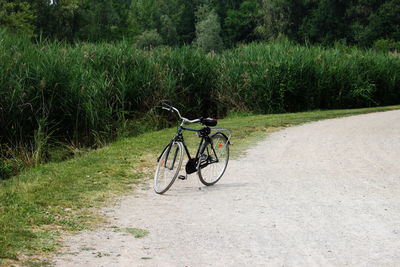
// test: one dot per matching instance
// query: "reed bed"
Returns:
(84, 95)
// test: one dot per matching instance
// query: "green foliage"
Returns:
(386, 45)
(208, 31)
(84, 94)
(192, 79)
(282, 77)
(168, 31)
(17, 17)
(279, 17)
(240, 24)
(9, 167)
(106, 20)
(149, 39)
(147, 13)
(359, 22)
(385, 23)
(327, 22)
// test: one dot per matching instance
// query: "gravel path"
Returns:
(320, 194)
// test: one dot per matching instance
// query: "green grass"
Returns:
(38, 205)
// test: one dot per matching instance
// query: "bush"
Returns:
(9, 167)
(386, 45)
(149, 39)
(208, 33)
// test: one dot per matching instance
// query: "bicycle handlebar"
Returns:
(173, 109)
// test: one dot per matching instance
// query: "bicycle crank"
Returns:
(191, 166)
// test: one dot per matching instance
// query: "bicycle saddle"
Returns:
(208, 121)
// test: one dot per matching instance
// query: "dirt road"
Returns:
(320, 194)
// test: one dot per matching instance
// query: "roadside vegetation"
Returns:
(43, 202)
(56, 99)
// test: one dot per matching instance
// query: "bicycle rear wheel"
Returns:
(168, 167)
(214, 157)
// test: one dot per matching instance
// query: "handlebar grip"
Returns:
(169, 109)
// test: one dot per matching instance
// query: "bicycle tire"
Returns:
(167, 170)
(212, 170)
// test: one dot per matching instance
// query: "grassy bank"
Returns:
(41, 203)
(87, 94)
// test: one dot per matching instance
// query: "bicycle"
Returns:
(211, 158)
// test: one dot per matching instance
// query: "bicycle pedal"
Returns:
(182, 177)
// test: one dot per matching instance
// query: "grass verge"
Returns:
(41, 203)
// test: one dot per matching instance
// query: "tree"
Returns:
(327, 23)
(107, 20)
(208, 31)
(64, 19)
(149, 39)
(17, 16)
(168, 31)
(383, 24)
(186, 28)
(147, 13)
(239, 24)
(280, 17)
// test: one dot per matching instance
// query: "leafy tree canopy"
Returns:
(179, 22)
(17, 16)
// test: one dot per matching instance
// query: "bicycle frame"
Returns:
(179, 138)
(212, 150)
(203, 134)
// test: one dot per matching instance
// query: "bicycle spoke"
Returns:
(216, 159)
(165, 175)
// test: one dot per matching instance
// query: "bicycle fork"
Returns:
(174, 158)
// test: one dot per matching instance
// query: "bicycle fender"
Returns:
(166, 147)
(229, 141)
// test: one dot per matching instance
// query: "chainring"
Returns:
(191, 166)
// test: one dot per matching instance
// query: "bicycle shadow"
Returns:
(222, 186)
(189, 189)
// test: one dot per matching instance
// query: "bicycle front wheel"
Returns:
(214, 157)
(168, 167)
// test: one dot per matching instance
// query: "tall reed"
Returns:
(285, 77)
(83, 94)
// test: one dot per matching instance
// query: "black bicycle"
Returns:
(211, 157)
